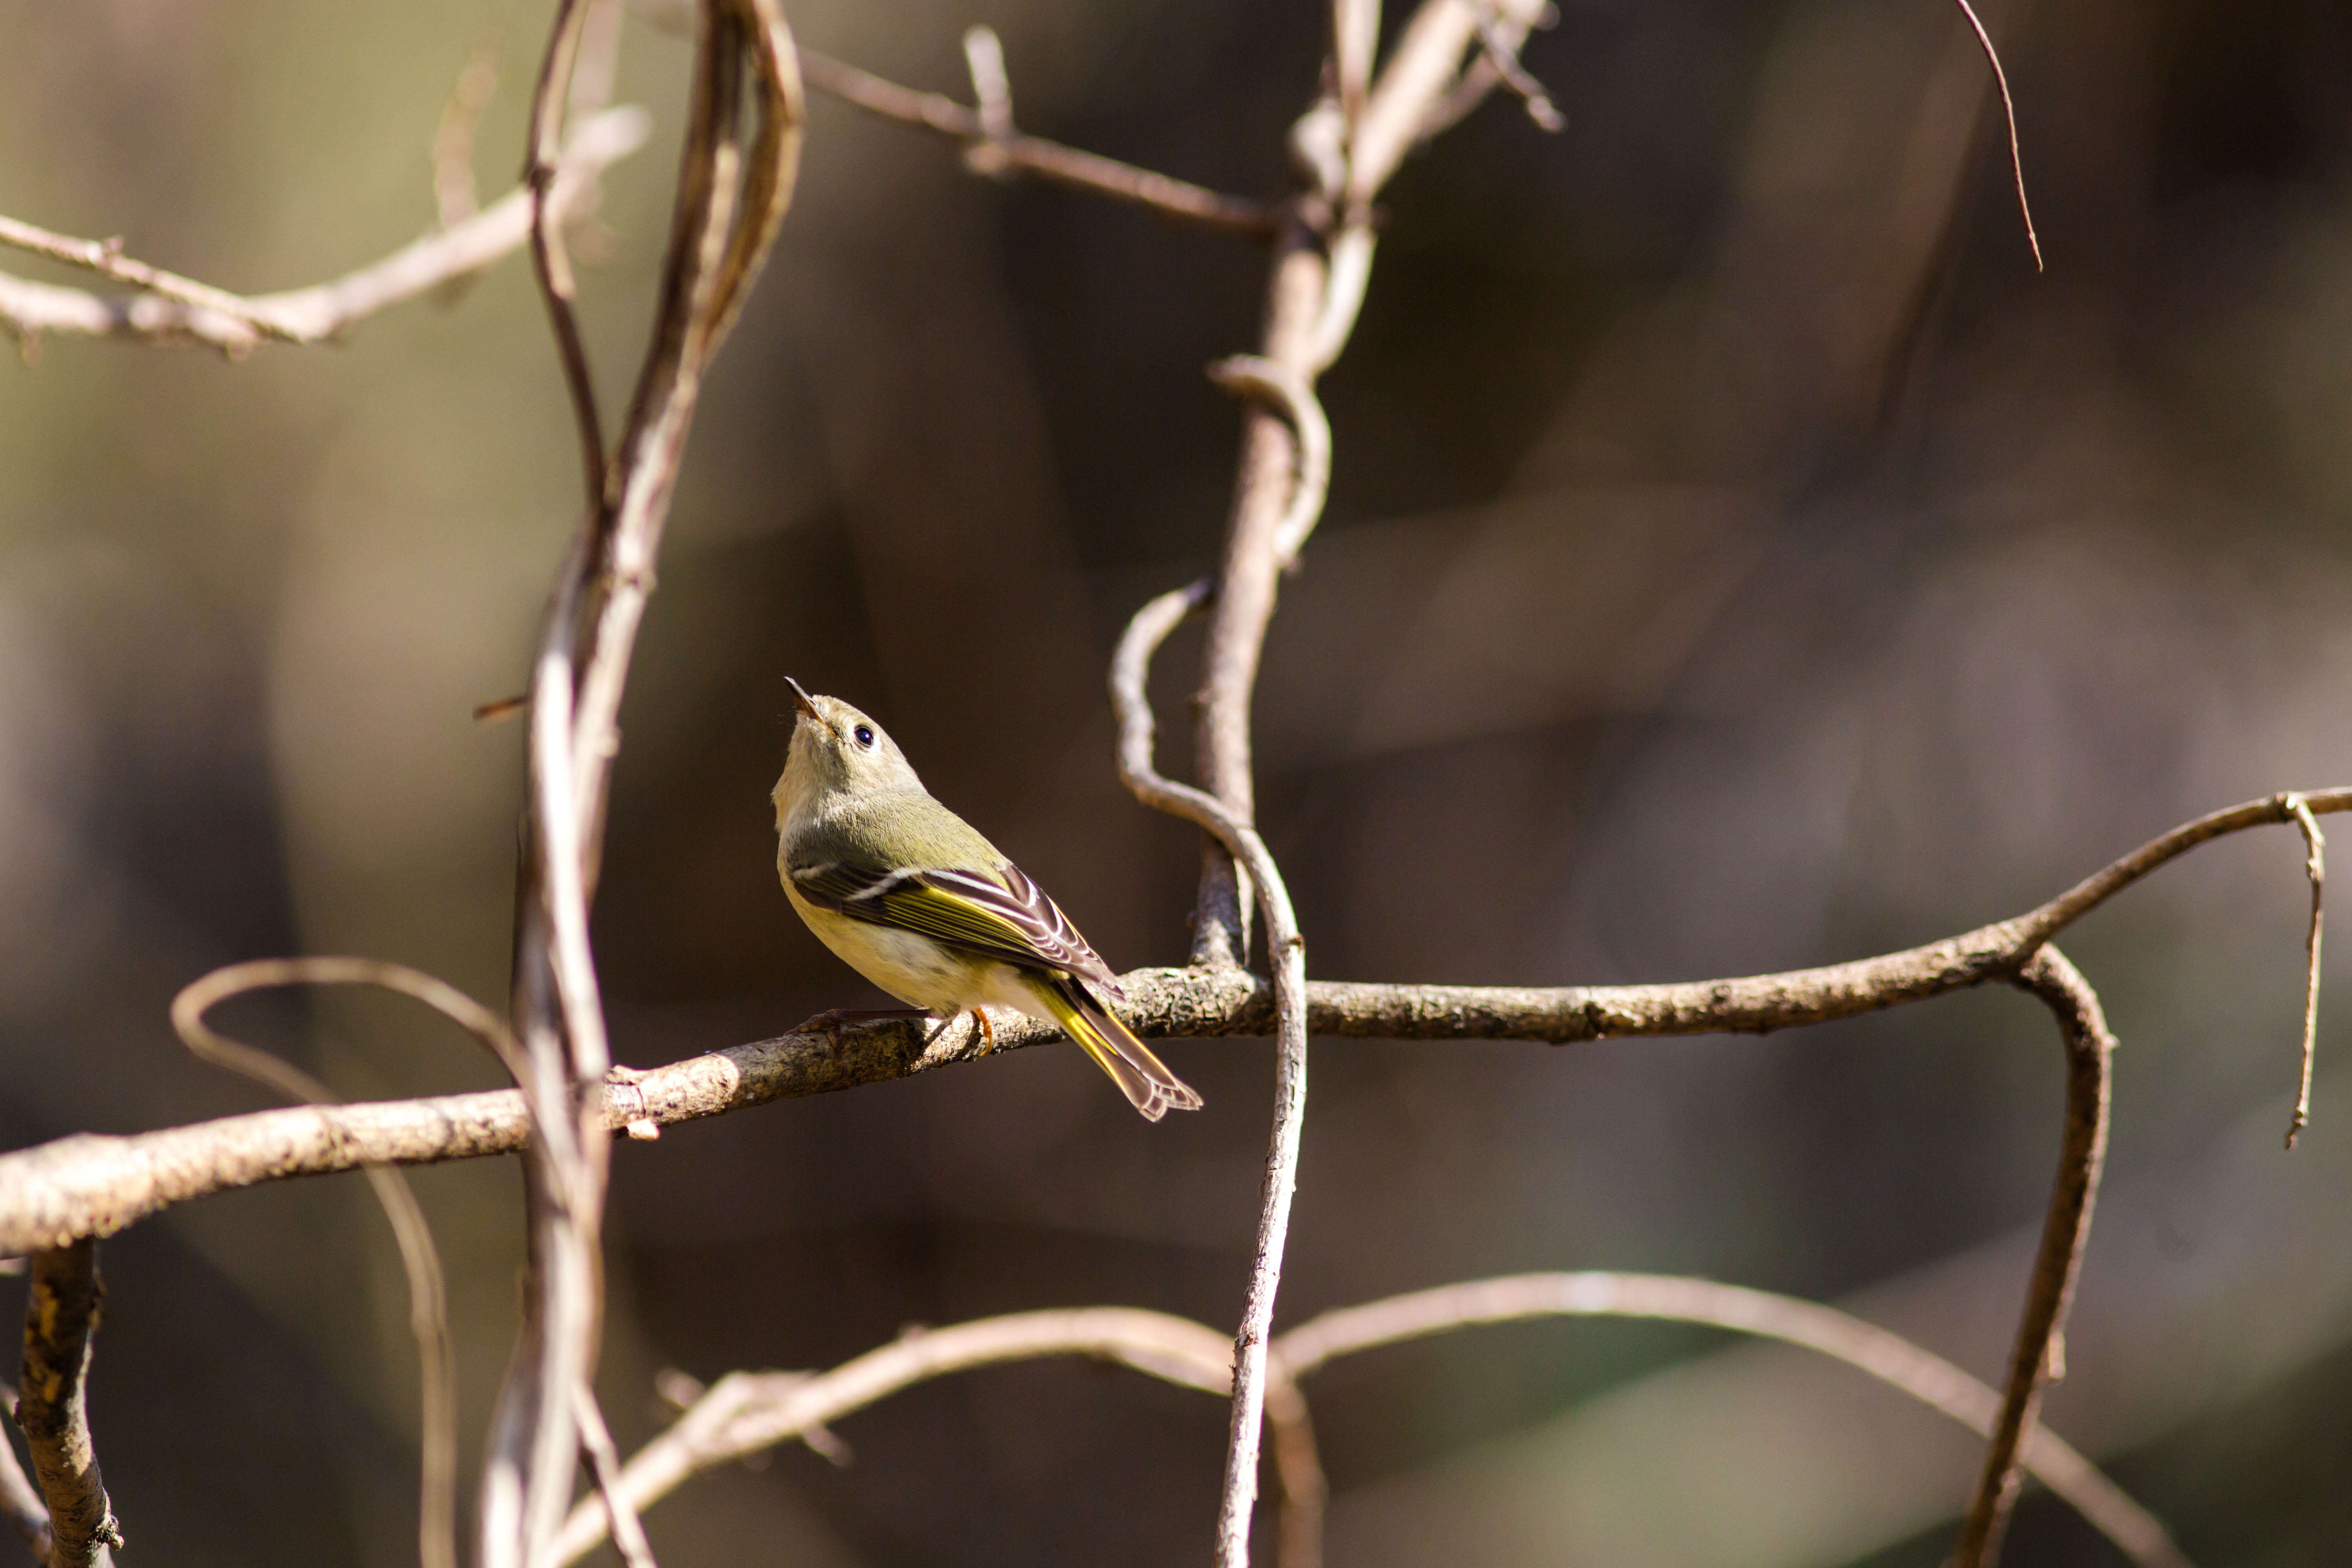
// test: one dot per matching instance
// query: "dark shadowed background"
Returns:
(1738, 558)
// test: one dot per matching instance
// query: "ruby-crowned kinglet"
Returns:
(910, 896)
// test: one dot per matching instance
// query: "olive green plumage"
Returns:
(912, 897)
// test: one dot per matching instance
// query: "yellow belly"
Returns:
(915, 968)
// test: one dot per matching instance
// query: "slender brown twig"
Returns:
(1009, 151)
(2009, 115)
(1889, 1358)
(454, 196)
(1502, 58)
(745, 1412)
(623, 1527)
(61, 1316)
(185, 311)
(740, 156)
(20, 1499)
(420, 1259)
(2315, 866)
(2039, 1356)
(1130, 674)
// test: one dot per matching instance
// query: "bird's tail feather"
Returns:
(1148, 1084)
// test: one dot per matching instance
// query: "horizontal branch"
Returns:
(1008, 150)
(174, 310)
(746, 1411)
(92, 1184)
(1888, 1357)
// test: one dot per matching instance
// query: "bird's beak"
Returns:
(807, 704)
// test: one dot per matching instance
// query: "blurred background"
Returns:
(1738, 558)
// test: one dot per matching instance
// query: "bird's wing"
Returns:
(1004, 916)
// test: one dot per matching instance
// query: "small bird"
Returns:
(910, 896)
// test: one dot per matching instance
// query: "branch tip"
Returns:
(2315, 866)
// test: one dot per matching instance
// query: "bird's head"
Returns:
(836, 750)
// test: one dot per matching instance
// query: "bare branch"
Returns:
(95, 1184)
(991, 91)
(746, 1411)
(2039, 1357)
(1502, 56)
(1130, 674)
(1422, 71)
(454, 197)
(549, 259)
(1014, 152)
(61, 1318)
(2315, 865)
(2008, 114)
(737, 172)
(420, 1259)
(318, 313)
(1355, 39)
(19, 1499)
(1887, 1357)
(627, 1531)
(1292, 393)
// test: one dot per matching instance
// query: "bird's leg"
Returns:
(829, 1022)
(986, 1029)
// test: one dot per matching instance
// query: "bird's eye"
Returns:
(864, 735)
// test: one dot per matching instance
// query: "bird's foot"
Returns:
(987, 1030)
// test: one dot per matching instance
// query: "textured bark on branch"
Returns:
(2039, 1356)
(746, 1411)
(94, 1184)
(176, 311)
(61, 1318)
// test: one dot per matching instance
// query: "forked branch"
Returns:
(746, 1411)
(172, 310)
(1004, 150)
(2039, 1356)
(94, 1184)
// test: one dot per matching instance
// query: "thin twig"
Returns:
(61, 1317)
(746, 1411)
(2315, 865)
(1887, 1357)
(325, 311)
(92, 1184)
(1129, 681)
(549, 259)
(1178, 199)
(20, 1499)
(992, 93)
(1314, 289)
(737, 172)
(1355, 39)
(1293, 395)
(2039, 1357)
(420, 1259)
(454, 197)
(2008, 114)
(1422, 72)
(627, 1531)
(1501, 55)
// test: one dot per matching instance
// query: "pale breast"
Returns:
(909, 965)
